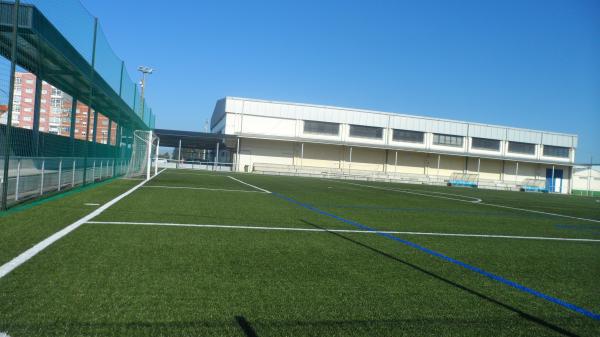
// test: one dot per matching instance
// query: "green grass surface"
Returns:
(141, 280)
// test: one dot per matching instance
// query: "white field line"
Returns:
(340, 230)
(88, 204)
(171, 171)
(540, 212)
(477, 201)
(200, 188)
(429, 194)
(31, 252)
(256, 187)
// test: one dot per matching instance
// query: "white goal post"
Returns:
(144, 154)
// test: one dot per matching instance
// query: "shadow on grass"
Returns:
(523, 314)
(245, 326)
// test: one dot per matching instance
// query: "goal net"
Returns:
(144, 153)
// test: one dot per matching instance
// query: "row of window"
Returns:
(361, 131)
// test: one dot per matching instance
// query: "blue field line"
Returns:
(480, 271)
(586, 228)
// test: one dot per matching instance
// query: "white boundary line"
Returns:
(31, 252)
(340, 230)
(478, 201)
(200, 188)
(474, 201)
(258, 188)
(541, 212)
(174, 171)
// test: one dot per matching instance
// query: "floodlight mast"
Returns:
(145, 71)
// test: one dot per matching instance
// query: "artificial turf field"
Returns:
(240, 269)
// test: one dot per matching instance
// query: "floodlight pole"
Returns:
(145, 71)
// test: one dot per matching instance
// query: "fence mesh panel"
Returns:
(69, 111)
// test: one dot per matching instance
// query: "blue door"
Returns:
(554, 185)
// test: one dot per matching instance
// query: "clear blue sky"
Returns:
(531, 64)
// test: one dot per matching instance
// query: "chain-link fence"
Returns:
(68, 107)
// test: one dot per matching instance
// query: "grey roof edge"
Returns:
(395, 114)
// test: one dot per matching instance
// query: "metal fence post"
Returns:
(94, 171)
(59, 173)
(11, 92)
(73, 180)
(42, 179)
(101, 169)
(17, 181)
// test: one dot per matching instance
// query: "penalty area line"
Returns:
(31, 252)
(301, 229)
(245, 183)
(200, 188)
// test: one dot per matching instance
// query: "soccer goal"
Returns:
(144, 155)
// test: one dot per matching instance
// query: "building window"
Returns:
(447, 140)
(408, 136)
(556, 151)
(524, 148)
(366, 131)
(485, 144)
(321, 128)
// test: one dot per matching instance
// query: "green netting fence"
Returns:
(69, 109)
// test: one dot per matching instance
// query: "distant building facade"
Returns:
(307, 139)
(55, 111)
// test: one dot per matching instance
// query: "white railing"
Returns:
(195, 165)
(30, 177)
(351, 174)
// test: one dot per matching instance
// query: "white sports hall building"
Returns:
(324, 141)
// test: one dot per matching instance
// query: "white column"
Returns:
(42, 182)
(237, 155)
(179, 155)
(396, 162)
(59, 174)
(73, 178)
(301, 154)
(350, 159)
(156, 157)
(438, 165)
(17, 181)
(216, 159)
(149, 156)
